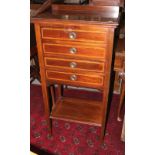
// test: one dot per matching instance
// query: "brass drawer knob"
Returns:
(73, 77)
(73, 50)
(73, 64)
(72, 35)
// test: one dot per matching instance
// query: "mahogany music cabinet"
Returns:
(75, 47)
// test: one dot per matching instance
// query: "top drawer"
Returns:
(75, 34)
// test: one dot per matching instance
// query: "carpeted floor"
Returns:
(72, 138)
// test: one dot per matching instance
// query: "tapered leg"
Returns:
(46, 103)
(56, 95)
(123, 131)
(104, 114)
(53, 96)
(102, 133)
(59, 92)
(121, 100)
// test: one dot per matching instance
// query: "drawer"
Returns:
(77, 79)
(74, 35)
(79, 50)
(72, 64)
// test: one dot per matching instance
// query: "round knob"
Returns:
(73, 77)
(73, 64)
(73, 50)
(72, 35)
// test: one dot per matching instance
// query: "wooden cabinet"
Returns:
(75, 51)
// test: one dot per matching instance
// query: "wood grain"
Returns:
(69, 109)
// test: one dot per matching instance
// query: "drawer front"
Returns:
(75, 50)
(75, 78)
(74, 35)
(74, 64)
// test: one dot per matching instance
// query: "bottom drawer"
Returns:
(77, 79)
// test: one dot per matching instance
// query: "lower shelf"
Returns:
(78, 110)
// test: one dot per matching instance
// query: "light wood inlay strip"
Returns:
(72, 29)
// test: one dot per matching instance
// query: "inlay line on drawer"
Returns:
(75, 50)
(75, 27)
(72, 64)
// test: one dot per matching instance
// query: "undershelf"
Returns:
(78, 110)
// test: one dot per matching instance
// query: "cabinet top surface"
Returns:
(99, 17)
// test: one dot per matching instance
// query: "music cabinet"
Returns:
(75, 47)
